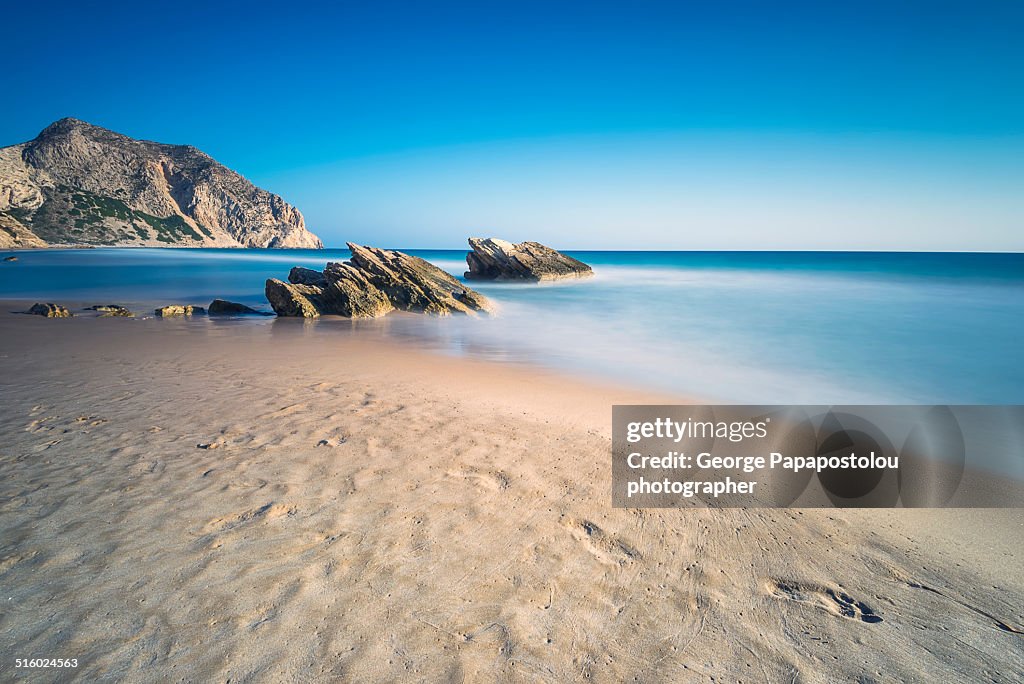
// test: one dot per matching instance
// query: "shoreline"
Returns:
(566, 249)
(1003, 483)
(227, 505)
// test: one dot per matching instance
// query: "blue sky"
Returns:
(732, 125)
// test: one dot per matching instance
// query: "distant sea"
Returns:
(755, 327)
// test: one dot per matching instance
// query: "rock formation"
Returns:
(179, 310)
(494, 259)
(76, 183)
(49, 310)
(372, 283)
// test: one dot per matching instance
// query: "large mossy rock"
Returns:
(350, 293)
(373, 283)
(289, 299)
(494, 259)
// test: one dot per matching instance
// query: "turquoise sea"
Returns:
(754, 327)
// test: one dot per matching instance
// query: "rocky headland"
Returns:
(79, 184)
(494, 259)
(372, 283)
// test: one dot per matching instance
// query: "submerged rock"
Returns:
(110, 310)
(179, 310)
(49, 310)
(373, 283)
(494, 259)
(224, 307)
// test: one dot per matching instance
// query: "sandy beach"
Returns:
(201, 500)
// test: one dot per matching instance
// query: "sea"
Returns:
(726, 327)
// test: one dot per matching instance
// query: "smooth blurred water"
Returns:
(758, 327)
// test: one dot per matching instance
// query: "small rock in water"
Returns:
(222, 307)
(49, 310)
(110, 310)
(179, 310)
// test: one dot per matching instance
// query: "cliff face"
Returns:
(81, 184)
(13, 235)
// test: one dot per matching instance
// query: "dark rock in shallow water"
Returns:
(224, 307)
(49, 310)
(373, 283)
(179, 310)
(494, 259)
(110, 310)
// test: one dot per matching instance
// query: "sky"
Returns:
(646, 125)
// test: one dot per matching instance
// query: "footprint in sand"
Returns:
(270, 511)
(830, 600)
(39, 425)
(605, 547)
(368, 402)
(286, 411)
(493, 480)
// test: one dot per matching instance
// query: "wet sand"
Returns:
(194, 500)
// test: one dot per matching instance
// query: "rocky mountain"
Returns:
(76, 183)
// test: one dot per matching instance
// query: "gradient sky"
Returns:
(730, 125)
